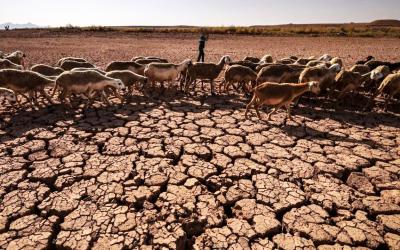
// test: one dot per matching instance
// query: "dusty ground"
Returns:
(181, 172)
(101, 48)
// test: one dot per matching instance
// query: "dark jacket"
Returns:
(202, 42)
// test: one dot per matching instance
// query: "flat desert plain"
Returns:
(190, 172)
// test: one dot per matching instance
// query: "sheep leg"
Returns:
(371, 99)
(90, 97)
(227, 87)
(88, 103)
(130, 90)
(236, 88)
(222, 84)
(187, 82)
(288, 109)
(253, 100)
(247, 89)
(26, 97)
(390, 96)
(212, 87)
(119, 96)
(194, 83)
(104, 97)
(296, 101)
(35, 96)
(180, 84)
(256, 106)
(275, 109)
(242, 84)
(63, 97)
(344, 91)
(32, 99)
(43, 92)
(54, 90)
(162, 87)
(16, 98)
(270, 113)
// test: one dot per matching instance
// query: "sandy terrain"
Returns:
(184, 172)
(103, 48)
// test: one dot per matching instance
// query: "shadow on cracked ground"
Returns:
(190, 172)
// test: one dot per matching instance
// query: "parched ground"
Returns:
(184, 172)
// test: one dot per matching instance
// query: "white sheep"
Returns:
(205, 71)
(87, 82)
(47, 70)
(7, 64)
(22, 82)
(76, 59)
(70, 64)
(17, 57)
(325, 76)
(238, 74)
(126, 65)
(165, 72)
(279, 73)
(129, 78)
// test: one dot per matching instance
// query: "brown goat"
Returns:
(390, 86)
(279, 95)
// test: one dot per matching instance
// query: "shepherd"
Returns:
(202, 44)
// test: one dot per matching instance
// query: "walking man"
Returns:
(202, 44)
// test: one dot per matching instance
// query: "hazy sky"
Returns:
(198, 12)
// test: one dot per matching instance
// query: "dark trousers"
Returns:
(201, 55)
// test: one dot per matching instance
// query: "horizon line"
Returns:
(199, 26)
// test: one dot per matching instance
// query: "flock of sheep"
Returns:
(275, 83)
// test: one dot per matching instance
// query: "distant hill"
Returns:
(19, 26)
(386, 22)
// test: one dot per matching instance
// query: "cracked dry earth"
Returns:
(191, 173)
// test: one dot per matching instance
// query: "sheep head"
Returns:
(266, 59)
(187, 62)
(369, 58)
(335, 68)
(185, 65)
(314, 87)
(325, 58)
(118, 84)
(379, 72)
(18, 53)
(227, 59)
